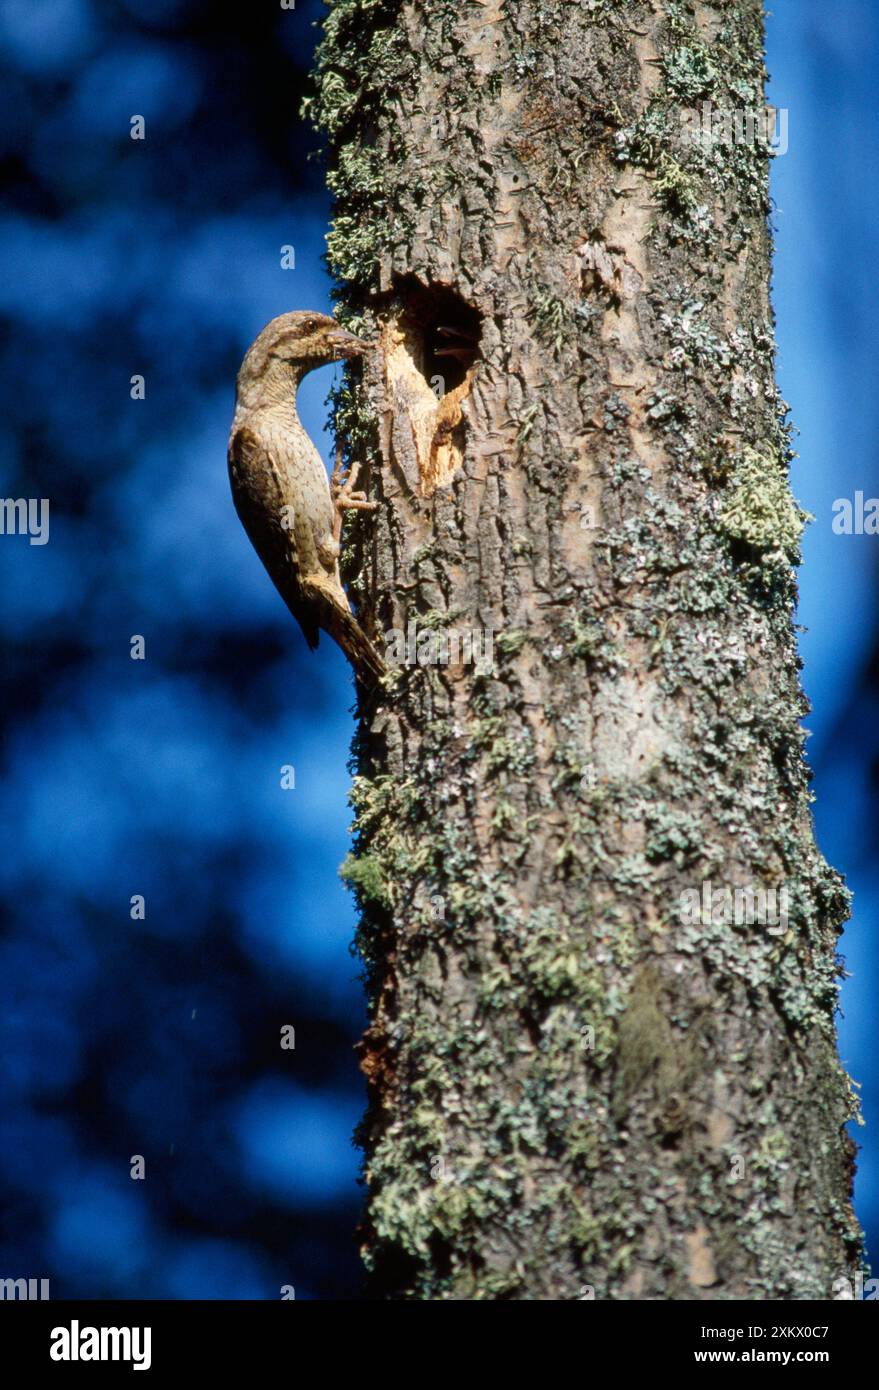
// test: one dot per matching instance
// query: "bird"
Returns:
(291, 511)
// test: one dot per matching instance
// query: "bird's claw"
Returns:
(345, 498)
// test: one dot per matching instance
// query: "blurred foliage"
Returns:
(161, 777)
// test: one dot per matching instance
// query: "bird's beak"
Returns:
(346, 345)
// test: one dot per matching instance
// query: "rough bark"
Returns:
(576, 1088)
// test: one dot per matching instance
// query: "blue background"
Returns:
(162, 777)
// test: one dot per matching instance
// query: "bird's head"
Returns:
(293, 344)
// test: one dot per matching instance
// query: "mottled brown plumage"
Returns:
(280, 487)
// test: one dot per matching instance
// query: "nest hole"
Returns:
(442, 333)
(431, 344)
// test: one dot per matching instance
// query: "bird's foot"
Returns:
(344, 496)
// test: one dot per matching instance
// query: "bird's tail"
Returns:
(335, 618)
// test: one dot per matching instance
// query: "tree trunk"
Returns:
(596, 1069)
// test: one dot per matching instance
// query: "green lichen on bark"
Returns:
(357, 64)
(759, 510)
(566, 1076)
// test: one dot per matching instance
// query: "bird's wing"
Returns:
(260, 501)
